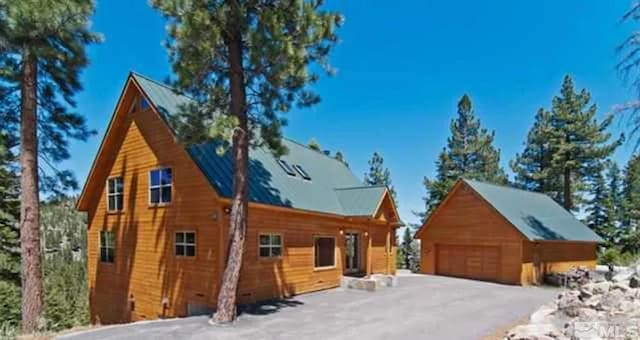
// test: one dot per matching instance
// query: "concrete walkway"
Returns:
(421, 307)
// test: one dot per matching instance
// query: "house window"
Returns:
(114, 194)
(270, 245)
(185, 243)
(160, 186)
(302, 172)
(144, 104)
(107, 246)
(324, 250)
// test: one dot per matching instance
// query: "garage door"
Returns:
(474, 262)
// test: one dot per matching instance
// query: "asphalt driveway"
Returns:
(422, 306)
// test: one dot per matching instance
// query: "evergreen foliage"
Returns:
(566, 149)
(601, 216)
(378, 174)
(631, 206)
(408, 251)
(9, 215)
(314, 145)
(469, 153)
(246, 62)
(55, 33)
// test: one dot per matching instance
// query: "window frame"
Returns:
(160, 186)
(270, 246)
(185, 244)
(115, 194)
(110, 248)
(286, 167)
(302, 172)
(335, 261)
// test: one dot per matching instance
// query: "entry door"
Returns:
(352, 263)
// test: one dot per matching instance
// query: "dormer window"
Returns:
(286, 167)
(303, 173)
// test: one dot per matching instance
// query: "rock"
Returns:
(569, 303)
(595, 302)
(634, 281)
(620, 286)
(588, 314)
(612, 300)
(535, 332)
(544, 314)
(596, 287)
(623, 275)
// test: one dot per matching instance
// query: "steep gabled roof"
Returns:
(332, 189)
(535, 215)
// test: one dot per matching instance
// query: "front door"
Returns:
(352, 263)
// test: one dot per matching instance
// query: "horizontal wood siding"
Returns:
(555, 256)
(148, 281)
(145, 271)
(465, 219)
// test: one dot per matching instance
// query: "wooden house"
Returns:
(502, 234)
(158, 217)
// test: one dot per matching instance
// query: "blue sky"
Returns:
(402, 66)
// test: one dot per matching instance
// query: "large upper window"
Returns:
(107, 246)
(185, 243)
(324, 250)
(160, 181)
(114, 194)
(270, 245)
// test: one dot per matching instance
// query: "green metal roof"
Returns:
(333, 188)
(535, 215)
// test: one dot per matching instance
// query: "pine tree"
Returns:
(314, 145)
(631, 204)
(245, 63)
(469, 153)
(409, 250)
(532, 168)
(580, 144)
(629, 67)
(43, 52)
(340, 157)
(615, 184)
(601, 216)
(378, 174)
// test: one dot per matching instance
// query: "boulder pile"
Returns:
(597, 309)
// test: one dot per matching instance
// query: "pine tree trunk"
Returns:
(568, 197)
(226, 308)
(30, 204)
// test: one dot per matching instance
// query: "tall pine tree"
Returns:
(600, 210)
(43, 51)
(378, 174)
(631, 203)
(580, 144)
(469, 153)
(246, 62)
(532, 167)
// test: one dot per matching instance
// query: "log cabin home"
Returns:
(158, 217)
(502, 234)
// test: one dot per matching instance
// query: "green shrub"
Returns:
(9, 305)
(615, 257)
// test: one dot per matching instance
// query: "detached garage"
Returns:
(497, 233)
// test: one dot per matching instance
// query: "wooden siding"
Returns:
(145, 270)
(148, 281)
(543, 257)
(464, 219)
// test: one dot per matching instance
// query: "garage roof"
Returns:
(535, 215)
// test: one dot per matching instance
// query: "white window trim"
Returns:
(160, 186)
(110, 248)
(335, 261)
(271, 245)
(185, 243)
(115, 194)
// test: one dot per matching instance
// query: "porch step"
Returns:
(370, 283)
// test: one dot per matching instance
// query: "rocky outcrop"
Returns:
(582, 312)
